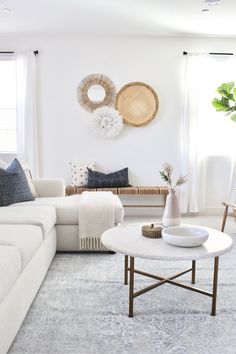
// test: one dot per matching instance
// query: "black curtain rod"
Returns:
(186, 53)
(36, 52)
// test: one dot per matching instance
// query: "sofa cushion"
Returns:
(26, 238)
(67, 208)
(14, 185)
(49, 187)
(10, 268)
(43, 216)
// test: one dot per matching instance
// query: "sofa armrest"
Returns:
(49, 187)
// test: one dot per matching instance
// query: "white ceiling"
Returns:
(115, 17)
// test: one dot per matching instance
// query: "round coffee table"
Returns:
(130, 242)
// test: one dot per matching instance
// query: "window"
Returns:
(8, 142)
(208, 137)
(220, 129)
(211, 133)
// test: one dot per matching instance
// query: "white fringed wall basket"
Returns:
(91, 80)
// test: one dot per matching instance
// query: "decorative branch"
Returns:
(166, 174)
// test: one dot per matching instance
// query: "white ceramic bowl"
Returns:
(185, 236)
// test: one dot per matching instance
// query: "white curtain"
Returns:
(205, 133)
(26, 112)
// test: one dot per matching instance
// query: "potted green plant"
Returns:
(227, 99)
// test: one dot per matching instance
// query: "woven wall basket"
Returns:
(137, 103)
(91, 80)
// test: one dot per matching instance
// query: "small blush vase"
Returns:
(171, 215)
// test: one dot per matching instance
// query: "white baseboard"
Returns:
(210, 211)
(217, 211)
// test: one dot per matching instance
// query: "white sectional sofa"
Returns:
(30, 235)
(67, 223)
(26, 252)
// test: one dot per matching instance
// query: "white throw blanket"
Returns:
(96, 215)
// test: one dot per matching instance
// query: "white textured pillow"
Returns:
(3, 164)
(30, 183)
(27, 171)
(79, 173)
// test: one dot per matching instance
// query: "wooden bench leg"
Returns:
(224, 218)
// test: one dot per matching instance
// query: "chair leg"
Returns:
(224, 218)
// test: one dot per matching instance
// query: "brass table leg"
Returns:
(193, 271)
(126, 270)
(215, 281)
(131, 287)
(129, 269)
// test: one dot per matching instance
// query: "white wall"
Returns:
(64, 132)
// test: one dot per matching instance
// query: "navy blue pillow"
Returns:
(111, 180)
(14, 187)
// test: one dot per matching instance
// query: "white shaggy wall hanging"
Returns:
(107, 122)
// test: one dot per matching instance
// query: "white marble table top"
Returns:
(129, 241)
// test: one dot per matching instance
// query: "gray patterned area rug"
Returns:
(82, 308)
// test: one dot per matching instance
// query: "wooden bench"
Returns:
(134, 190)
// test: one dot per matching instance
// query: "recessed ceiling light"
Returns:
(6, 10)
(205, 10)
(212, 2)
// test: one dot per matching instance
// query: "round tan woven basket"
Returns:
(138, 103)
(151, 231)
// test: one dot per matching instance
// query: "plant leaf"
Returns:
(219, 105)
(225, 102)
(234, 93)
(233, 117)
(227, 95)
(225, 88)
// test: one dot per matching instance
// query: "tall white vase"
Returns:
(171, 215)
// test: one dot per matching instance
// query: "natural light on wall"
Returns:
(7, 104)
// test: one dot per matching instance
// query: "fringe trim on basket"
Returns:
(91, 244)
